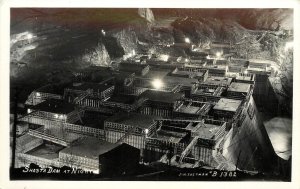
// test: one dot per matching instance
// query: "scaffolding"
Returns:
(188, 149)
(48, 137)
(126, 135)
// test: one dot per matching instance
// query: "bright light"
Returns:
(218, 54)
(164, 57)
(56, 116)
(29, 36)
(29, 111)
(133, 52)
(186, 60)
(103, 32)
(187, 40)
(38, 94)
(157, 83)
(245, 72)
(146, 131)
(289, 45)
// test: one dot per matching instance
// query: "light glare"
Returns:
(187, 40)
(29, 36)
(157, 83)
(164, 57)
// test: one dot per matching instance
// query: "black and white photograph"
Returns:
(150, 94)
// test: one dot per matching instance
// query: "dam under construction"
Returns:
(149, 98)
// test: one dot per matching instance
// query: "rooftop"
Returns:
(189, 109)
(122, 98)
(170, 136)
(46, 151)
(89, 147)
(60, 133)
(87, 85)
(206, 91)
(120, 76)
(214, 80)
(132, 67)
(239, 87)
(216, 67)
(137, 120)
(156, 73)
(238, 62)
(180, 80)
(206, 131)
(26, 138)
(227, 105)
(161, 65)
(218, 62)
(262, 62)
(255, 69)
(148, 83)
(53, 89)
(93, 120)
(54, 106)
(161, 96)
(188, 73)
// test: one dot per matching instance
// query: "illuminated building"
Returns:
(137, 126)
(192, 109)
(79, 92)
(85, 154)
(181, 140)
(43, 93)
(159, 103)
(56, 110)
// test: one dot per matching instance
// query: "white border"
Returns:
(4, 91)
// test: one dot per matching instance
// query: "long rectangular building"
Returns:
(134, 127)
(160, 103)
